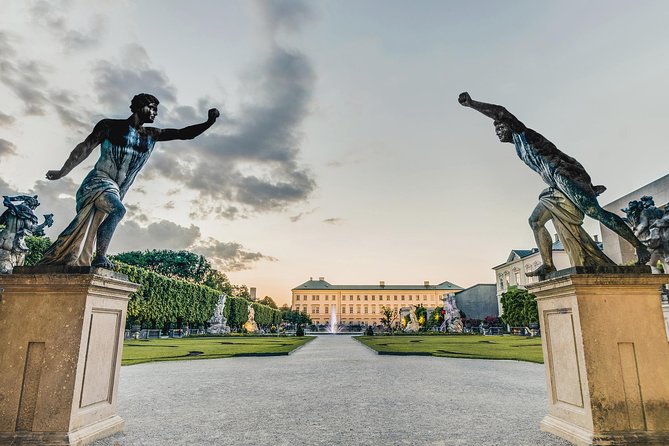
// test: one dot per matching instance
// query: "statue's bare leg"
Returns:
(538, 220)
(111, 204)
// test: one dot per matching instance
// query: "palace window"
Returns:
(366, 309)
(373, 297)
(350, 309)
(410, 298)
(326, 297)
(395, 297)
(365, 297)
(297, 297)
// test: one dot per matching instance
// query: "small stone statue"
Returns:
(250, 326)
(651, 225)
(217, 321)
(452, 320)
(570, 195)
(125, 148)
(20, 221)
(413, 325)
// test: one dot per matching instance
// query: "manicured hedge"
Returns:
(162, 301)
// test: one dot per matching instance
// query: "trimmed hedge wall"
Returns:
(161, 301)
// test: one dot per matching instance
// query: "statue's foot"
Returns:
(541, 272)
(643, 255)
(102, 262)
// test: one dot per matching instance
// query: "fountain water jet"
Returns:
(333, 328)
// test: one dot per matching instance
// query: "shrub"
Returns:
(299, 331)
(369, 331)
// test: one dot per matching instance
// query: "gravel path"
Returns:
(333, 391)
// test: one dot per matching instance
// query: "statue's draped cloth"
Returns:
(113, 174)
(568, 221)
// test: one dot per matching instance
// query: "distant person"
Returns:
(125, 147)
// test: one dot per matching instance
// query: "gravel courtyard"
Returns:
(333, 391)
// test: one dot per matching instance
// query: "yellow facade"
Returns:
(361, 304)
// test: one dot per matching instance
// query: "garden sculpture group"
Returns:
(651, 225)
(452, 320)
(413, 325)
(20, 221)
(218, 324)
(569, 196)
(126, 145)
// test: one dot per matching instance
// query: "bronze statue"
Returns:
(570, 194)
(20, 221)
(125, 147)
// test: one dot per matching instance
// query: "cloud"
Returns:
(229, 256)
(57, 198)
(288, 15)
(333, 221)
(115, 84)
(6, 120)
(254, 167)
(53, 17)
(27, 80)
(7, 148)
(130, 236)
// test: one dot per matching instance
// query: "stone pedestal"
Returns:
(607, 358)
(61, 337)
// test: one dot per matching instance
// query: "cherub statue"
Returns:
(20, 221)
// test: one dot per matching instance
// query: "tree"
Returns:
(241, 291)
(294, 317)
(184, 265)
(388, 317)
(36, 246)
(519, 307)
(268, 301)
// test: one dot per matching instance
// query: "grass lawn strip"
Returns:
(137, 352)
(516, 348)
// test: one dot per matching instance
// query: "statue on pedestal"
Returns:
(413, 325)
(218, 323)
(570, 195)
(126, 145)
(19, 221)
(250, 326)
(452, 320)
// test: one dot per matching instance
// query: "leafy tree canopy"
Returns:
(184, 265)
(268, 301)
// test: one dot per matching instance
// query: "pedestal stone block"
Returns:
(61, 337)
(607, 358)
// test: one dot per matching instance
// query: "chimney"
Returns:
(252, 292)
(426, 283)
(596, 238)
(382, 284)
(321, 279)
(557, 238)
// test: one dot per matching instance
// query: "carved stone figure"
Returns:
(413, 325)
(218, 323)
(571, 194)
(651, 225)
(250, 326)
(20, 221)
(452, 320)
(126, 145)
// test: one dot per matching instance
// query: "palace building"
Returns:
(361, 304)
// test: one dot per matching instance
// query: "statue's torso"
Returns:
(123, 153)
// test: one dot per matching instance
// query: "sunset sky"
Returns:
(341, 150)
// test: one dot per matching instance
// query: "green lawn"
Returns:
(459, 346)
(136, 352)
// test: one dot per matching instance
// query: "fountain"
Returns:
(333, 327)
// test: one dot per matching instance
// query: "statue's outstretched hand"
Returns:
(465, 99)
(54, 175)
(214, 114)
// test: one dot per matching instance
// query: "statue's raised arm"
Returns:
(495, 112)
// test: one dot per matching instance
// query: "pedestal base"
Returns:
(606, 355)
(60, 350)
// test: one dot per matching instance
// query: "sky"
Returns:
(341, 150)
